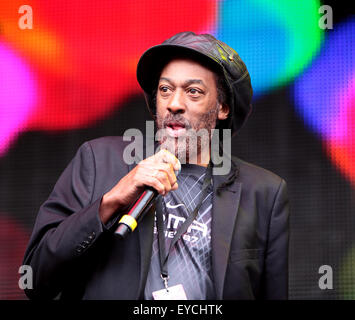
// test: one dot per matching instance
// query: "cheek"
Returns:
(199, 113)
(158, 106)
(160, 114)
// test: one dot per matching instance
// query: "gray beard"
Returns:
(195, 144)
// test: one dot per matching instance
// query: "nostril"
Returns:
(175, 110)
(175, 107)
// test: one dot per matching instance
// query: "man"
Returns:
(207, 236)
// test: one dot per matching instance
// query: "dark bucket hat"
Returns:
(208, 50)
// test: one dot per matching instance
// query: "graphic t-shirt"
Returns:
(189, 261)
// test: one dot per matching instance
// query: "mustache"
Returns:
(176, 118)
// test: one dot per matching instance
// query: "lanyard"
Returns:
(163, 256)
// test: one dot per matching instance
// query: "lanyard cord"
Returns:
(163, 256)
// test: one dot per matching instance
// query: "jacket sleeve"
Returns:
(66, 228)
(276, 261)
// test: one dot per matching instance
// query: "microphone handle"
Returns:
(128, 222)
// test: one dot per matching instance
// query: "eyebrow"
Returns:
(186, 83)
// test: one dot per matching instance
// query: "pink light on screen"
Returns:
(342, 144)
(17, 96)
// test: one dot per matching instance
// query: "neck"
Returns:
(200, 159)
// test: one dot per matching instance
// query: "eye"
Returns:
(194, 92)
(164, 90)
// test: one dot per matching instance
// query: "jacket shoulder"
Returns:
(105, 152)
(107, 142)
(253, 174)
(107, 146)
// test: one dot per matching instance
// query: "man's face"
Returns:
(186, 102)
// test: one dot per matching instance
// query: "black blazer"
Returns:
(75, 256)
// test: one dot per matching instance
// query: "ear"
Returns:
(223, 111)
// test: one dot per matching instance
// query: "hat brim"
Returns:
(154, 59)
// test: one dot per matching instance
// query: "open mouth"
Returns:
(175, 129)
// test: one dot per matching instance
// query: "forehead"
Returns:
(186, 69)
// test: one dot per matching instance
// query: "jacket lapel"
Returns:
(224, 214)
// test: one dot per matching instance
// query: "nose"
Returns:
(177, 102)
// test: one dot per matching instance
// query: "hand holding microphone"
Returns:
(152, 176)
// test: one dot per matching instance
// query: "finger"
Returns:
(169, 169)
(162, 171)
(150, 168)
(163, 178)
(174, 186)
(165, 156)
(155, 183)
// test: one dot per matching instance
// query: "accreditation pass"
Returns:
(171, 293)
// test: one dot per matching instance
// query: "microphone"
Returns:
(129, 221)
